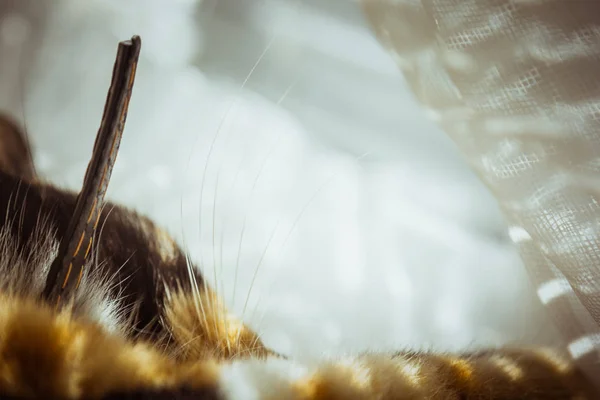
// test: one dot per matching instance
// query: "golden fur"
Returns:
(50, 354)
(203, 328)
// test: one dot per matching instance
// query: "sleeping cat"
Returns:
(145, 324)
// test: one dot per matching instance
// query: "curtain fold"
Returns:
(516, 84)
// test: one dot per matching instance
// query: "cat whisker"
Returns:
(255, 342)
(214, 234)
(214, 312)
(219, 281)
(274, 146)
(283, 96)
(126, 315)
(219, 128)
(198, 303)
(260, 261)
(119, 282)
(40, 226)
(23, 208)
(293, 227)
(225, 219)
(287, 91)
(312, 198)
(6, 220)
(14, 196)
(235, 178)
(248, 205)
(252, 316)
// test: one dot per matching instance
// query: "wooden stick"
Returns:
(67, 269)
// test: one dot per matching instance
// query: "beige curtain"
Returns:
(516, 84)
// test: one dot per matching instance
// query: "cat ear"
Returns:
(15, 153)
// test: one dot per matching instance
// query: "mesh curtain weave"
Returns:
(516, 84)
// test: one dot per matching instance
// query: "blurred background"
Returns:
(278, 142)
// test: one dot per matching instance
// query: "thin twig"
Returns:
(67, 269)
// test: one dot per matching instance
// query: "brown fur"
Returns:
(174, 337)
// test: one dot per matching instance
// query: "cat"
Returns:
(145, 324)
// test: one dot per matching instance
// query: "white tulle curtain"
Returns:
(516, 85)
